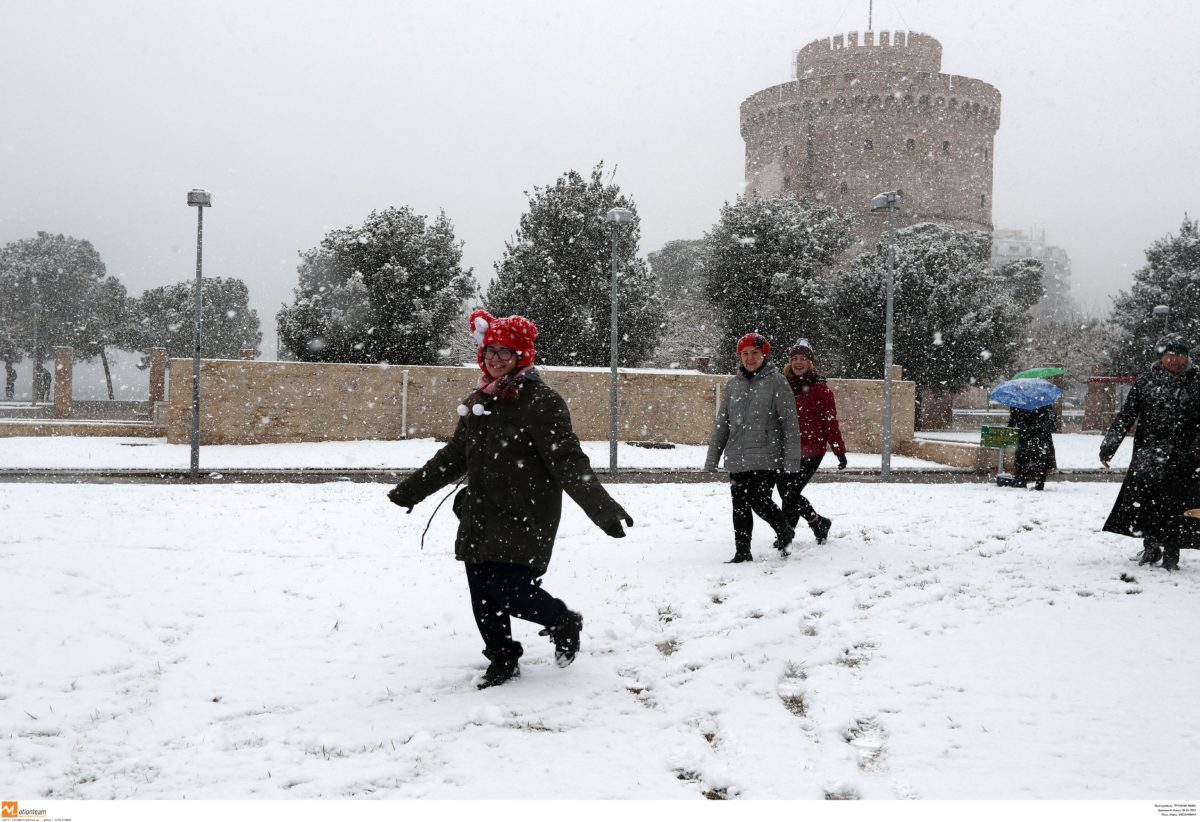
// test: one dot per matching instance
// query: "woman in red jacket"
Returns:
(817, 414)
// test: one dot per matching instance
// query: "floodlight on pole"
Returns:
(200, 200)
(615, 217)
(1163, 311)
(888, 201)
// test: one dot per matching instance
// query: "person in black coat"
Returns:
(1035, 457)
(515, 444)
(1161, 482)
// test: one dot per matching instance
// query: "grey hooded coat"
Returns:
(756, 426)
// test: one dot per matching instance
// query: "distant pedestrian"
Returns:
(1161, 482)
(816, 413)
(1035, 458)
(515, 444)
(756, 429)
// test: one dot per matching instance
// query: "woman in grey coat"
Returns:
(757, 430)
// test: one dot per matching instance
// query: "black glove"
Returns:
(841, 461)
(614, 529)
(398, 499)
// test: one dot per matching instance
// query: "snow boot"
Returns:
(741, 552)
(565, 635)
(783, 538)
(1151, 554)
(1170, 559)
(504, 665)
(820, 527)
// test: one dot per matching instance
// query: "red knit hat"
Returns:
(514, 332)
(756, 340)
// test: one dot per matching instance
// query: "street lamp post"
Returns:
(34, 382)
(888, 201)
(200, 199)
(617, 217)
(1163, 311)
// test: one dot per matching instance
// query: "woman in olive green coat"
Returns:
(515, 444)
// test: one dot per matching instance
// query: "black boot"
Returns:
(783, 538)
(1151, 554)
(565, 635)
(741, 552)
(1170, 559)
(504, 665)
(820, 527)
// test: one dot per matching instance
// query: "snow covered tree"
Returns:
(77, 304)
(1079, 344)
(1024, 281)
(556, 271)
(164, 317)
(766, 265)
(386, 291)
(691, 328)
(1171, 277)
(956, 322)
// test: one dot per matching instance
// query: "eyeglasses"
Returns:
(502, 354)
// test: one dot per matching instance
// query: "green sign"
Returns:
(997, 436)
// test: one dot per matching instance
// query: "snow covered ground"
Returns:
(1074, 451)
(293, 641)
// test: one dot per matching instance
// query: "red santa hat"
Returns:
(754, 339)
(514, 332)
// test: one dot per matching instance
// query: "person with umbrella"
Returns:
(1161, 482)
(1031, 403)
(1035, 458)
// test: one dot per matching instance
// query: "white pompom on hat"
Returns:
(801, 346)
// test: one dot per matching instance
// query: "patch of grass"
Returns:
(795, 703)
(667, 647)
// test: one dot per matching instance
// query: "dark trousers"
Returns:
(791, 491)
(751, 492)
(500, 591)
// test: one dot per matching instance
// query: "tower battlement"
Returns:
(900, 51)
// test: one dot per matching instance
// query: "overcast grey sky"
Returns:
(303, 116)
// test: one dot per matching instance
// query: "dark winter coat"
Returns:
(756, 425)
(816, 412)
(1035, 456)
(1161, 481)
(518, 457)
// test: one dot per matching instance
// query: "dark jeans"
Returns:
(751, 492)
(500, 591)
(791, 491)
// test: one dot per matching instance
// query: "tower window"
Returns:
(868, 145)
(910, 144)
(983, 201)
(945, 147)
(844, 187)
(787, 151)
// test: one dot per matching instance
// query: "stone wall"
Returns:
(246, 402)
